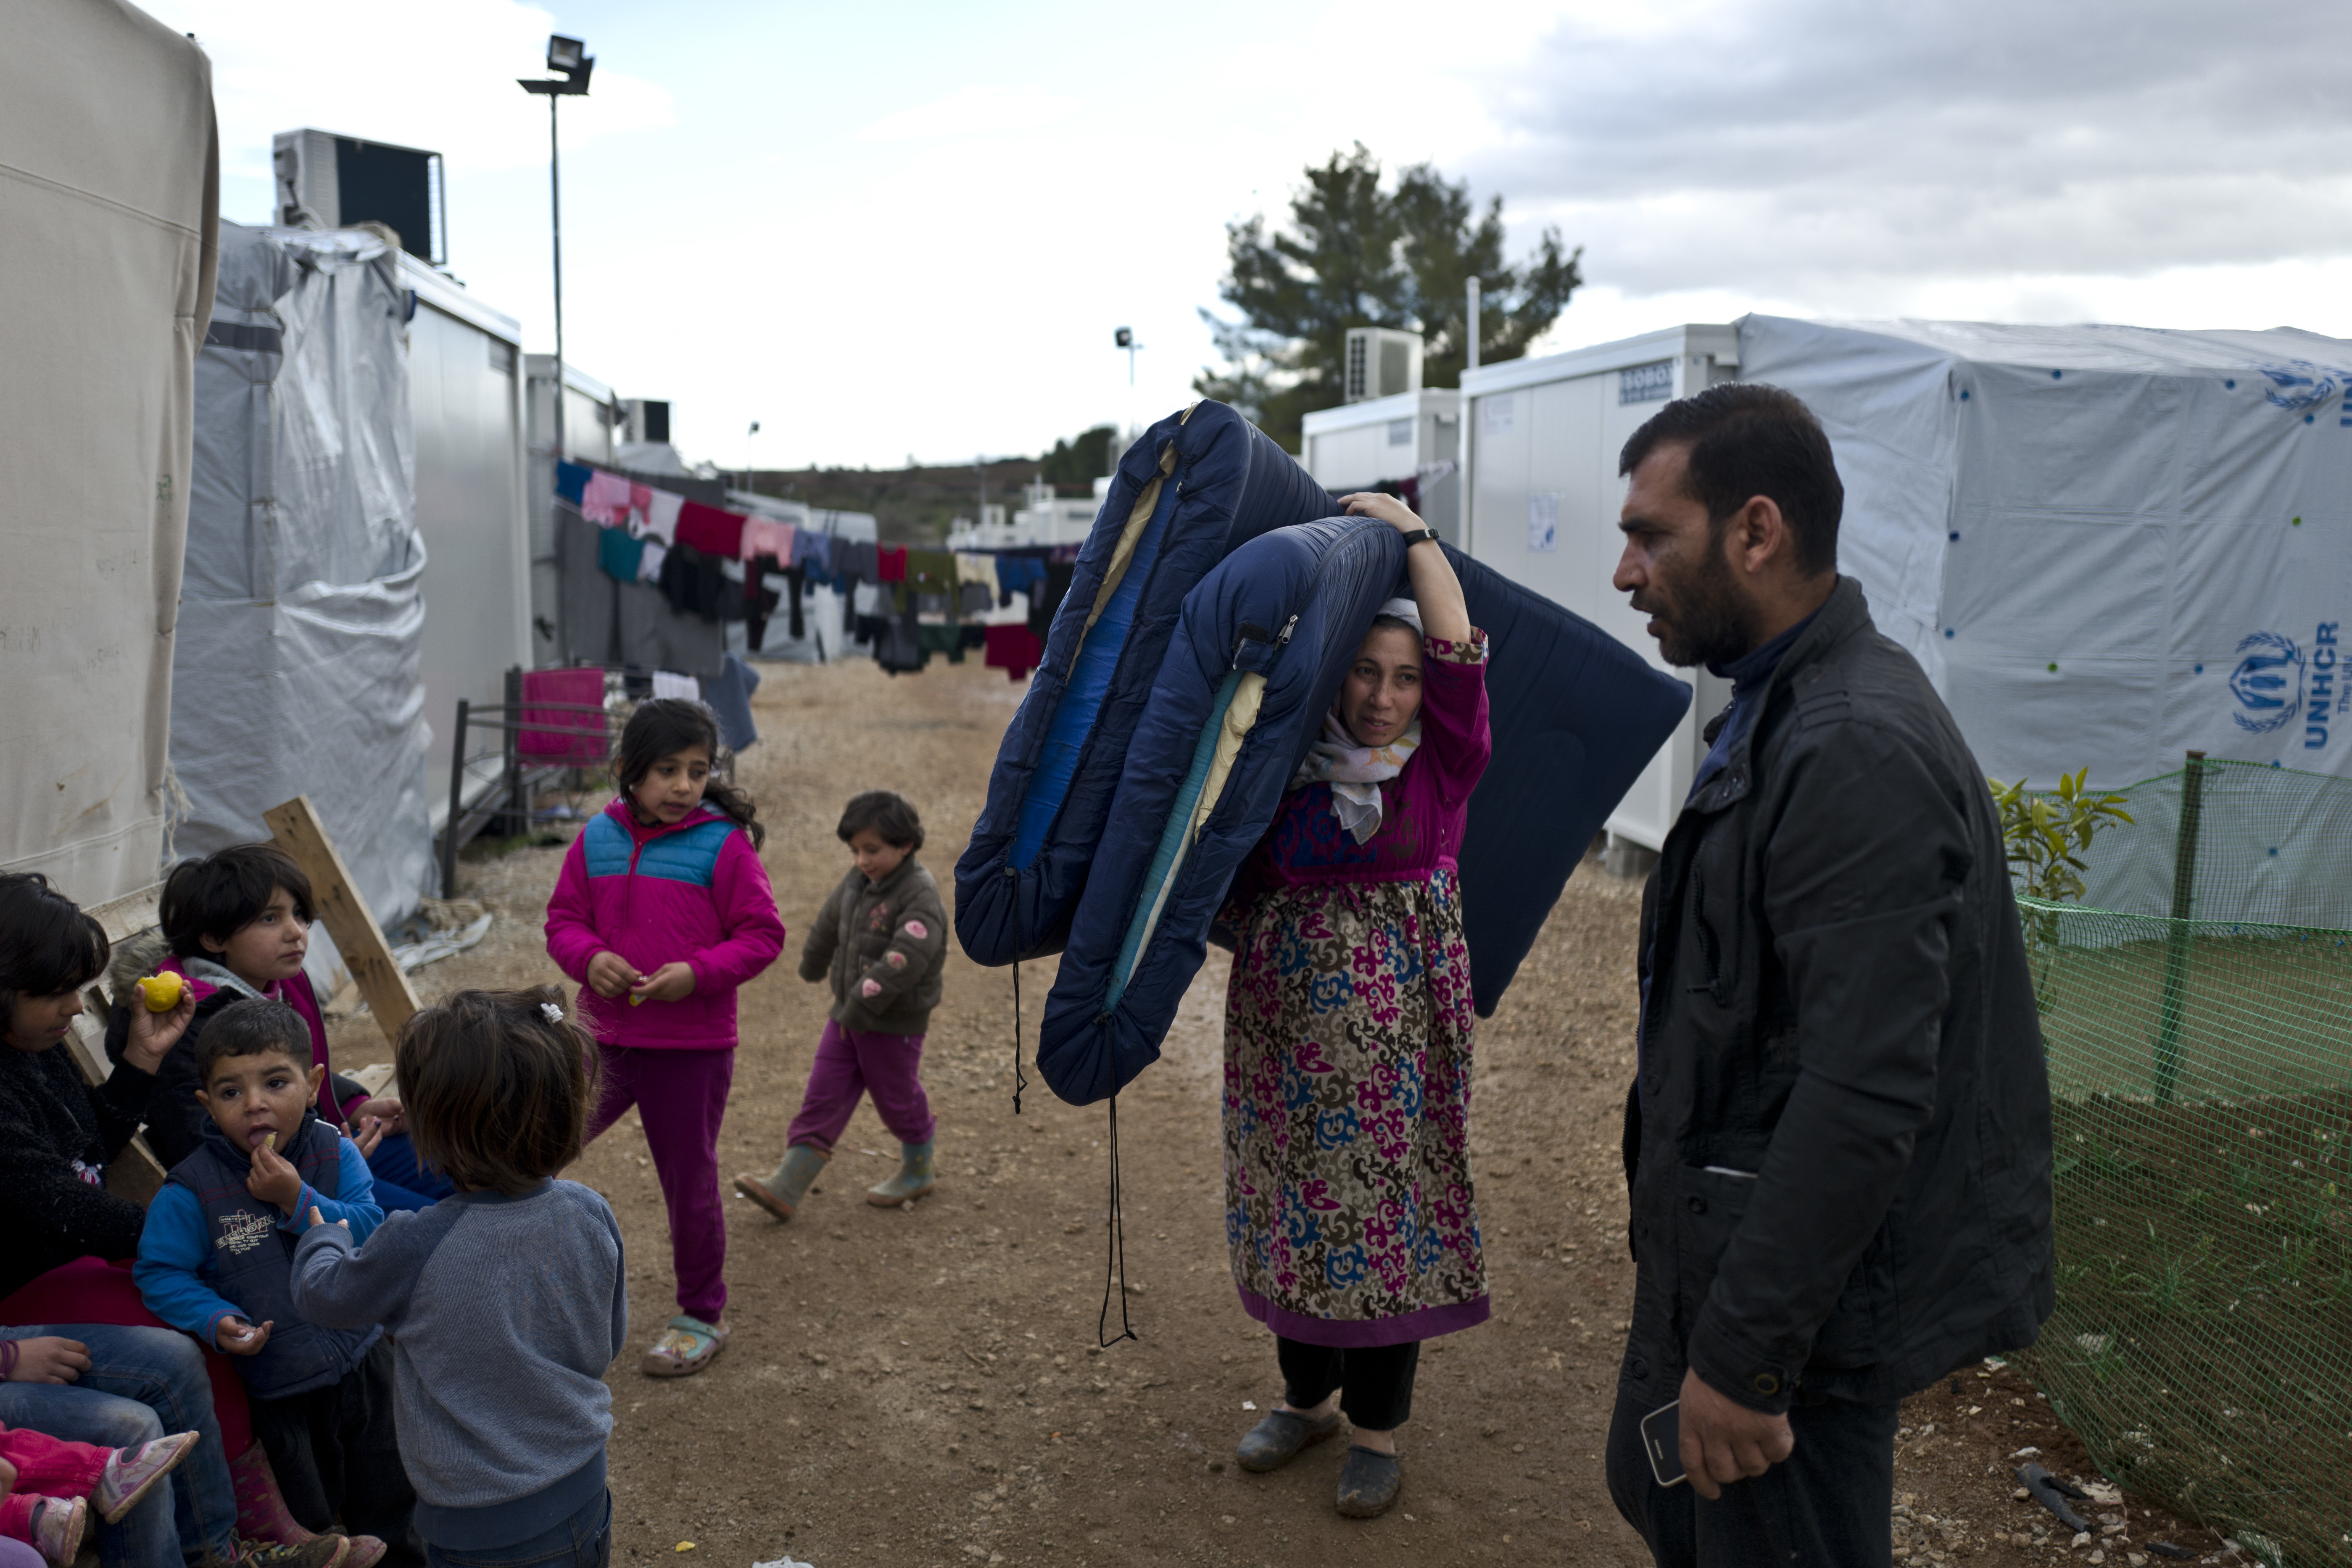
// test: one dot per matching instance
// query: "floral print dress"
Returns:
(1349, 1206)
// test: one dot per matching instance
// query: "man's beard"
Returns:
(1708, 621)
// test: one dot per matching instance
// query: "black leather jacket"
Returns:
(1838, 1145)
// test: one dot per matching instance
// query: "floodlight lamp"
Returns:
(564, 54)
(1124, 337)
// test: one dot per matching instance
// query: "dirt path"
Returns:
(925, 1388)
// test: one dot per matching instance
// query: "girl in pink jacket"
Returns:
(662, 911)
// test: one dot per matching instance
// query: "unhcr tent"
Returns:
(301, 622)
(2106, 545)
(108, 195)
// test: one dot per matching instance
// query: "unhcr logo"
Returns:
(2267, 683)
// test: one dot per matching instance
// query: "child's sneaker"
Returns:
(57, 1527)
(319, 1552)
(131, 1474)
(366, 1552)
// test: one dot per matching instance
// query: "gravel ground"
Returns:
(926, 1388)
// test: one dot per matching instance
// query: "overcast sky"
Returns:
(893, 230)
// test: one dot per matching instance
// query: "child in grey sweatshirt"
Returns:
(504, 1304)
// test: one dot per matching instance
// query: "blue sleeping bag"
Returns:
(1575, 715)
(1196, 484)
(1266, 640)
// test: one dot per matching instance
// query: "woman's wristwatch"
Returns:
(1420, 536)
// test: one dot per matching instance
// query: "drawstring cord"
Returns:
(1019, 944)
(1115, 1260)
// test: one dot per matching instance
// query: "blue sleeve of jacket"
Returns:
(172, 1258)
(354, 1204)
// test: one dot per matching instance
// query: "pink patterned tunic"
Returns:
(1348, 1021)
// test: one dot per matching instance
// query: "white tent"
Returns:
(303, 623)
(2107, 545)
(108, 198)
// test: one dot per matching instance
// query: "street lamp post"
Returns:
(568, 58)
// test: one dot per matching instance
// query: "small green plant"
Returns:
(2048, 833)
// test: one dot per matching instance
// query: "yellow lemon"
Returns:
(160, 992)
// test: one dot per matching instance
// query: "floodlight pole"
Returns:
(555, 222)
(569, 79)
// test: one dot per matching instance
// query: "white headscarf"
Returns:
(1355, 771)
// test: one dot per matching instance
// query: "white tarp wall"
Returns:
(302, 622)
(2107, 545)
(108, 195)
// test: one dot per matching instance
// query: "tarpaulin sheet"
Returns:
(301, 621)
(2106, 545)
(108, 198)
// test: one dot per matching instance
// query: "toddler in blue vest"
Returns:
(216, 1260)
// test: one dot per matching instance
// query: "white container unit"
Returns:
(1411, 435)
(1541, 438)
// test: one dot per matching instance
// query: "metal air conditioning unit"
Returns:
(326, 181)
(1381, 362)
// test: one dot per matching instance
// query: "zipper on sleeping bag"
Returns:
(1178, 836)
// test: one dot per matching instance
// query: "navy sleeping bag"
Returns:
(1266, 640)
(1575, 715)
(1196, 484)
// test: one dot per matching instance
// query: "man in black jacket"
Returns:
(1838, 1139)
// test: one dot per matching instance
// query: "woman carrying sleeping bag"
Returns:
(1347, 1024)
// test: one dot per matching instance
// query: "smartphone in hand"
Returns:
(1662, 1439)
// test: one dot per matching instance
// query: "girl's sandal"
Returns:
(684, 1348)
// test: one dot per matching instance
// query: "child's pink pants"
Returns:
(851, 1062)
(681, 1096)
(45, 1467)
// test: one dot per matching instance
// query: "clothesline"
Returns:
(684, 549)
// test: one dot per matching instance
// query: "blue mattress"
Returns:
(1264, 641)
(1196, 484)
(1576, 716)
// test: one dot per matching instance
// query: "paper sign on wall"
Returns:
(1495, 414)
(1543, 520)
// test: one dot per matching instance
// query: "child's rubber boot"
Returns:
(781, 1193)
(913, 1180)
(271, 1536)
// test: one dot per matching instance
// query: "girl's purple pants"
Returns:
(851, 1062)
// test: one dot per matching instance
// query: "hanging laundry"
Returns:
(1017, 575)
(606, 501)
(570, 732)
(661, 516)
(761, 598)
(858, 562)
(974, 599)
(932, 571)
(668, 683)
(946, 639)
(899, 649)
(1013, 648)
(890, 563)
(1044, 601)
(618, 554)
(974, 567)
(729, 697)
(572, 480)
(649, 566)
(710, 530)
(695, 584)
(765, 536)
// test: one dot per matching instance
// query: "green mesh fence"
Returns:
(2200, 1033)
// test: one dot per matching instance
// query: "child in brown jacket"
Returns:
(879, 939)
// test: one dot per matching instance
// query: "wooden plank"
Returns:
(350, 921)
(135, 1174)
(130, 914)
